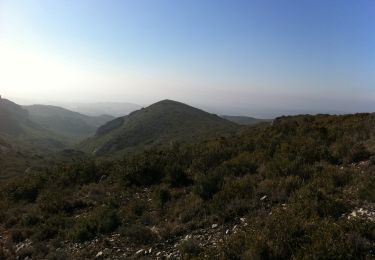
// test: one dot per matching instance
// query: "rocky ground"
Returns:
(114, 247)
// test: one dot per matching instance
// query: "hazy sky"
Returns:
(239, 56)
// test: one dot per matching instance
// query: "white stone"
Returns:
(139, 252)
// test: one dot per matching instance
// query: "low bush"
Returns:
(139, 234)
(190, 248)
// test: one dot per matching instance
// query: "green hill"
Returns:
(16, 125)
(13, 118)
(69, 124)
(161, 123)
(246, 120)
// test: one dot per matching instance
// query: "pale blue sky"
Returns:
(240, 56)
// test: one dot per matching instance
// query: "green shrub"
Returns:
(83, 230)
(106, 220)
(241, 164)
(161, 196)
(367, 189)
(139, 234)
(102, 221)
(143, 170)
(208, 184)
(19, 235)
(190, 248)
(26, 189)
(176, 176)
(46, 231)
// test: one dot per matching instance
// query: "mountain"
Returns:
(12, 118)
(246, 120)
(67, 123)
(161, 123)
(16, 125)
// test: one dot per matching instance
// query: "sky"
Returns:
(248, 57)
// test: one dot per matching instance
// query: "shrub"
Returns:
(4, 254)
(161, 196)
(241, 164)
(208, 184)
(46, 231)
(83, 230)
(26, 189)
(106, 220)
(143, 170)
(176, 176)
(101, 221)
(19, 235)
(190, 248)
(367, 189)
(139, 234)
(53, 201)
(359, 153)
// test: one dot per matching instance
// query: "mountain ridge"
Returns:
(70, 124)
(162, 122)
(245, 120)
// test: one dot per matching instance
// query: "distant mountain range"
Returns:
(57, 128)
(115, 109)
(163, 122)
(45, 126)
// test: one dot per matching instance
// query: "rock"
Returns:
(139, 252)
(215, 225)
(99, 254)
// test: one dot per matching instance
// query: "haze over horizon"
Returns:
(258, 58)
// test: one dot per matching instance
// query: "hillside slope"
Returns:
(70, 124)
(301, 188)
(163, 122)
(246, 120)
(12, 118)
(16, 125)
